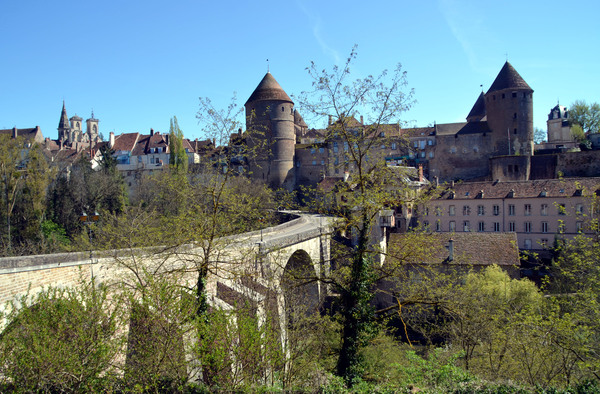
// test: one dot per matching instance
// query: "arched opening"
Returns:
(300, 287)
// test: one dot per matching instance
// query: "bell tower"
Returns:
(92, 128)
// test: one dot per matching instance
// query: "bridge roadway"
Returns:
(307, 235)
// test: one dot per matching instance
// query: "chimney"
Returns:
(214, 141)
(15, 132)
(330, 120)
(362, 120)
(151, 132)
(240, 131)
(450, 250)
(420, 169)
(111, 139)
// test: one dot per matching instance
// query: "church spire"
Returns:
(63, 125)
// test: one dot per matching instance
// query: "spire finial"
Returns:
(92, 113)
(481, 86)
(268, 65)
(506, 55)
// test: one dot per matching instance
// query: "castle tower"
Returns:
(92, 128)
(64, 129)
(509, 110)
(270, 134)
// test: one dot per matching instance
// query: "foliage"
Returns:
(585, 115)
(384, 100)
(178, 159)
(60, 340)
(539, 135)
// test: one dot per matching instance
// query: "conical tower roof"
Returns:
(478, 111)
(509, 78)
(269, 89)
(63, 123)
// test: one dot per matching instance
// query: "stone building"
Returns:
(495, 142)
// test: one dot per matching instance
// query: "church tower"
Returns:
(509, 110)
(76, 133)
(64, 129)
(92, 128)
(271, 136)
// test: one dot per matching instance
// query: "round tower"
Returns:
(270, 134)
(509, 110)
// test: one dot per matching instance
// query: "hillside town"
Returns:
(231, 266)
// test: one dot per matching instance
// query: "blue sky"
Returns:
(138, 63)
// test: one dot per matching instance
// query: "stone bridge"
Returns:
(250, 266)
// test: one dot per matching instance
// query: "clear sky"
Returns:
(138, 63)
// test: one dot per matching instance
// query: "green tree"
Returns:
(178, 159)
(585, 115)
(383, 99)
(539, 135)
(60, 340)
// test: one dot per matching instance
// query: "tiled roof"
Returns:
(298, 119)
(125, 142)
(478, 111)
(552, 188)
(508, 78)
(417, 131)
(269, 89)
(469, 248)
(461, 128)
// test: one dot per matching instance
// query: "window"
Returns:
(496, 227)
(544, 227)
(466, 226)
(466, 210)
(561, 227)
(345, 146)
(426, 225)
(527, 244)
(393, 146)
(452, 226)
(313, 151)
(451, 210)
(321, 149)
(527, 209)
(438, 226)
(481, 227)
(430, 142)
(438, 211)
(480, 210)
(562, 209)
(431, 155)
(579, 227)
(314, 162)
(496, 210)
(579, 209)
(544, 242)
(511, 226)
(544, 210)
(335, 147)
(514, 94)
(322, 162)
(527, 227)
(511, 210)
